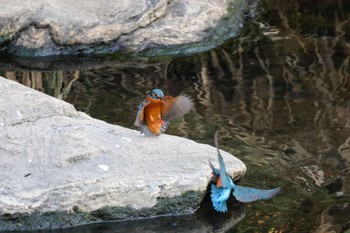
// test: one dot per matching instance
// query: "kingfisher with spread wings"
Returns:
(222, 186)
(156, 111)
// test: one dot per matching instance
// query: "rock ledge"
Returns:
(61, 166)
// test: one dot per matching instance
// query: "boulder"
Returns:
(60, 167)
(57, 27)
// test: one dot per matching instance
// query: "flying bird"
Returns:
(222, 186)
(156, 111)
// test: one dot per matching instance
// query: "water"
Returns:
(279, 95)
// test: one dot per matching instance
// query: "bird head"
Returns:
(156, 94)
(215, 173)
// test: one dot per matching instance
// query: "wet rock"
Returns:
(58, 163)
(43, 28)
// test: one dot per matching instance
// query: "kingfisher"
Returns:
(222, 186)
(156, 111)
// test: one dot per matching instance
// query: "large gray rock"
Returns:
(56, 161)
(53, 27)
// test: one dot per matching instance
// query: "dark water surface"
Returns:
(279, 95)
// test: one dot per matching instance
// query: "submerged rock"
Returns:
(60, 167)
(57, 27)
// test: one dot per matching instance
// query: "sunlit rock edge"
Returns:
(58, 163)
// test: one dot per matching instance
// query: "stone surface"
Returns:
(54, 27)
(55, 159)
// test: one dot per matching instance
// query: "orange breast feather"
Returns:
(152, 115)
(218, 182)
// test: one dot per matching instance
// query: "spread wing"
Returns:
(140, 117)
(174, 107)
(246, 194)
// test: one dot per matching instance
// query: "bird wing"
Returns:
(174, 107)
(219, 197)
(246, 194)
(140, 117)
(225, 179)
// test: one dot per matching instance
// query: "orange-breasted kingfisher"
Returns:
(156, 111)
(223, 186)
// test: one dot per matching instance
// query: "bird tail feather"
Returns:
(219, 197)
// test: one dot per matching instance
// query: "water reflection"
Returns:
(282, 104)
